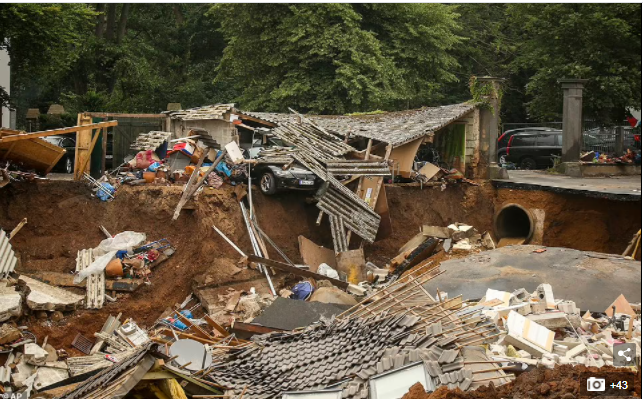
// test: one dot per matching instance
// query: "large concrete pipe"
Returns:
(514, 224)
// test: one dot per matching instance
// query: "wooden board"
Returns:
(353, 264)
(16, 135)
(403, 157)
(314, 255)
(83, 144)
(295, 270)
(33, 153)
(381, 207)
(371, 184)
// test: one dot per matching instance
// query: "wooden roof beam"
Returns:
(45, 133)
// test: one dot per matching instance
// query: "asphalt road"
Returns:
(617, 185)
(592, 280)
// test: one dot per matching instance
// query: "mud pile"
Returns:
(563, 382)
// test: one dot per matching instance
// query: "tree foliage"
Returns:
(336, 58)
(599, 42)
(321, 58)
(40, 38)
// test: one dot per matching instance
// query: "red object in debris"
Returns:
(144, 159)
(153, 255)
(111, 358)
(540, 250)
(237, 122)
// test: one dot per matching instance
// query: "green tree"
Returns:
(143, 56)
(599, 42)
(39, 38)
(336, 58)
(420, 40)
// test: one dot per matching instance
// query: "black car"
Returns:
(534, 150)
(273, 178)
(66, 162)
(503, 140)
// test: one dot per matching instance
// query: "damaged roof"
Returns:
(207, 112)
(326, 353)
(395, 128)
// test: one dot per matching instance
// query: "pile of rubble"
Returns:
(378, 346)
(630, 157)
(196, 160)
(544, 331)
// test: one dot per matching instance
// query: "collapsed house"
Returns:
(453, 135)
(453, 131)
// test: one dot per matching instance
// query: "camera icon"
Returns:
(595, 384)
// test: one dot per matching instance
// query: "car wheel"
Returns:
(268, 184)
(527, 164)
(69, 165)
(502, 159)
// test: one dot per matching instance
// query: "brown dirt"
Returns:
(410, 208)
(563, 382)
(63, 218)
(578, 222)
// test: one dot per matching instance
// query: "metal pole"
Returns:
(250, 192)
(255, 246)
(228, 240)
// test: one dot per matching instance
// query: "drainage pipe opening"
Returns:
(513, 224)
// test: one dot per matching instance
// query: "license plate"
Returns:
(306, 182)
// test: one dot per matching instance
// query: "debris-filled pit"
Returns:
(234, 300)
(63, 219)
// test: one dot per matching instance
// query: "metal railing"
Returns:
(606, 140)
(595, 138)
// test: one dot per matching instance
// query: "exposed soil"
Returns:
(578, 222)
(63, 218)
(563, 382)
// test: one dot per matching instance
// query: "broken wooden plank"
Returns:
(295, 270)
(67, 280)
(216, 326)
(45, 133)
(17, 228)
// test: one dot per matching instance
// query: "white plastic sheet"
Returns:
(120, 242)
(327, 271)
(97, 266)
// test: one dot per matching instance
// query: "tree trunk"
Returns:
(111, 21)
(178, 14)
(122, 23)
(100, 20)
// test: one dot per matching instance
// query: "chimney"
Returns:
(572, 118)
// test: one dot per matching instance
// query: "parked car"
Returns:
(272, 178)
(503, 140)
(534, 150)
(66, 162)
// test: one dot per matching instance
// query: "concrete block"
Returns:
(10, 302)
(46, 297)
(356, 290)
(545, 292)
(521, 343)
(538, 307)
(436, 231)
(551, 320)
